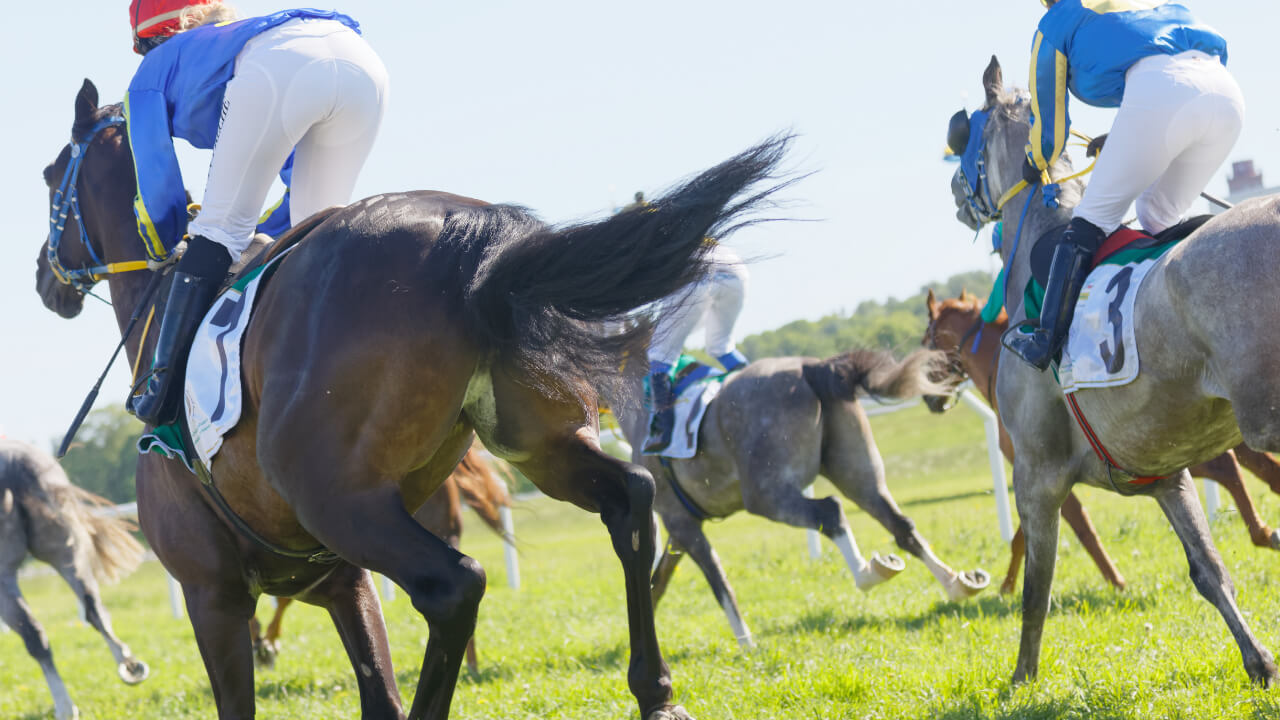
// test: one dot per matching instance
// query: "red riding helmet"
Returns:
(156, 19)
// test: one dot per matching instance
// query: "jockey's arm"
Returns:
(161, 201)
(1049, 119)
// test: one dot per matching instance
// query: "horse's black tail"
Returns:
(876, 373)
(537, 294)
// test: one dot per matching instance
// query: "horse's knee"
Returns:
(830, 517)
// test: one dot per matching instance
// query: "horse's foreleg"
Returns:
(1260, 464)
(1038, 506)
(17, 615)
(349, 596)
(130, 669)
(1017, 551)
(687, 533)
(665, 568)
(220, 619)
(1078, 518)
(370, 528)
(1178, 500)
(1225, 471)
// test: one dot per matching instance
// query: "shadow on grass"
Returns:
(1031, 709)
(990, 606)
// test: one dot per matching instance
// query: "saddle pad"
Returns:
(213, 387)
(691, 407)
(1101, 350)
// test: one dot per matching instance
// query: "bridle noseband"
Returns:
(66, 202)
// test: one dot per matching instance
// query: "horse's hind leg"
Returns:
(370, 528)
(853, 465)
(1017, 551)
(130, 669)
(687, 533)
(349, 596)
(671, 556)
(220, 620)
(576, 470)
(780, 499)
(1225, 471)
(17, 615)
(1078, 518)
(1178, 500)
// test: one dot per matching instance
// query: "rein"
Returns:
(66, 203)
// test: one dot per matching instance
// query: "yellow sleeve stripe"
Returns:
(1037, 126)
(1059, 106)
(146, 228)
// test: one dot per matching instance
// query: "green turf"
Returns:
(557, 648)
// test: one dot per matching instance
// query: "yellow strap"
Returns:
(1022, 184)
(146, 327)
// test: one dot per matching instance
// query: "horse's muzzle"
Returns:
(57, 296)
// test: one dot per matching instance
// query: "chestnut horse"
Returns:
(400, 327)
(473, 482)
(972, 347)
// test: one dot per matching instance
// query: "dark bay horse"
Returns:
(774, 426)
(1202, 323)
(400, 327)
(472, 482)
(43, 514)
(955, 324)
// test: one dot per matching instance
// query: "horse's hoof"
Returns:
(967, 584)
(881, 568)
(746, 642)
(1274, 540)
(671, 712)
(265, 653)
(1263, 670)
(1008, 587)
(74, 714)
(133, 671)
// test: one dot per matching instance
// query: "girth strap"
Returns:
(1104, 456)
(694, 509)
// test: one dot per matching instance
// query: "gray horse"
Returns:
(42, 513)
(773, 427)
(1209, 358)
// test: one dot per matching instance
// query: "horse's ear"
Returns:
(932, 303)
(965, 295)
(993, 81)
(86, 102)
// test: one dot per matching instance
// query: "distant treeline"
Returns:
(896, 325)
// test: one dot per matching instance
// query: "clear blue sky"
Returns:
(570, 106)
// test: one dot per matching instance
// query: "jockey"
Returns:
(715, 303)
(1180, 113)
(298, 93)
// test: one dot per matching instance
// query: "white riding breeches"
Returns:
(1180, 117)
(312, 87)
(714, 303)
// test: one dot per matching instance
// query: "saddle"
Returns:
(1124, 238)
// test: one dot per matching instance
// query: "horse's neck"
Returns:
(1020, 234)
(126, 292)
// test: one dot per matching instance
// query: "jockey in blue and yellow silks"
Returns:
(297, 93)
(1180, 113)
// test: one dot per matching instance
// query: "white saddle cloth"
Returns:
(1101, 350)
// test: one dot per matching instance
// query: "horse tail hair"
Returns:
(539, 295)
(482, 490)
(876, 373)
(112, 551)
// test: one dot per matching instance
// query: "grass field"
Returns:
(557, 648)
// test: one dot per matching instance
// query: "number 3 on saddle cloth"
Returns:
(1101, 350)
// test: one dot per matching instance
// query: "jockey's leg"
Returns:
(728, 293)
(680, 317)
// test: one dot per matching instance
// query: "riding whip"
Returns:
(93, 394)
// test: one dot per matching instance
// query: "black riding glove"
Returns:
(1095, 146)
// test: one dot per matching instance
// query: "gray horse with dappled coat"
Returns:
(1204, 320)
(43, 514)
(773, 427)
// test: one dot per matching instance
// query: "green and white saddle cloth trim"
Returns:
(213, 387)
(694, 393)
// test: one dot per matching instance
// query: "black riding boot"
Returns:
(1072, 261)
(662, 414)
(195, 283)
